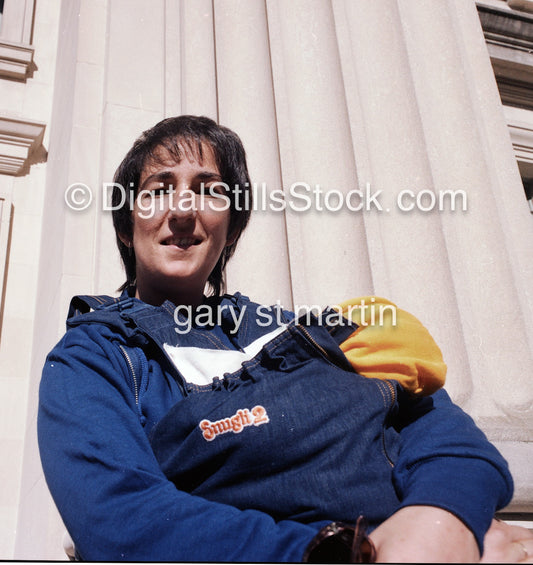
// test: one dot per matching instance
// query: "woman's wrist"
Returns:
(341, 543)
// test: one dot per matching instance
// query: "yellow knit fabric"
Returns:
(405, 352)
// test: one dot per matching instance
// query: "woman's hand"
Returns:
(508, 544)
(424, 534)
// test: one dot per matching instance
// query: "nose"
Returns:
(182, 205)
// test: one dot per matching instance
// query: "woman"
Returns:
(178, 427)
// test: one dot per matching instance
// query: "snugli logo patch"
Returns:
(236, 423)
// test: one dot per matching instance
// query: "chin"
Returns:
(174, 280)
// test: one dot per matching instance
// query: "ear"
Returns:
(232, 237)
(126, 240)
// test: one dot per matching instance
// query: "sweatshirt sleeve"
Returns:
(114, 500)
(391, 343)
(446, 461)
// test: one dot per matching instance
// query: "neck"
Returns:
(178, 297)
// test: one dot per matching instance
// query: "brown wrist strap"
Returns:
(341, 543)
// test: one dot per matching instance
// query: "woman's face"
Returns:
(179, 228)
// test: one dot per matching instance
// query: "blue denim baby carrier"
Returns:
(293, 431)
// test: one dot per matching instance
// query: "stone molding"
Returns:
(522, 139)
(509, 37)
(20, 145)
(522, 5)
(16, 60)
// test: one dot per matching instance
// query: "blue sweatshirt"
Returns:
(236, 437)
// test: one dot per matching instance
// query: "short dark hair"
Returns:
(177, 135)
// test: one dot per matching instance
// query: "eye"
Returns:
(211, 188)
(200, 189)
(157, 190)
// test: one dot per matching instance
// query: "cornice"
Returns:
(509, 37)
(20, 145)
(16, 60)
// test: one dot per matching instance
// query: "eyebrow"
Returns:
(208, 175)
(165, 176)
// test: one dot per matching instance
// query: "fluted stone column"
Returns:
(197, 73)
(246, 104)
(425, 97)
(488, 273)
(408, 252)
(328, 250)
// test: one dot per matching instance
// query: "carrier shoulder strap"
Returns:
(82, 304)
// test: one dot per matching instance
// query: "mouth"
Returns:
(181, 242)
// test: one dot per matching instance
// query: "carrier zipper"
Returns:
(393, 400)
(315, 344)
(132, 369)
(392, 391)
(180, 381)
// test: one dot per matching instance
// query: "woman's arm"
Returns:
(424, 534)
(114, 499)
(446, 463)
